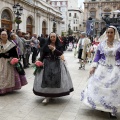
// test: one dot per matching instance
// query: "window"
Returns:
(74, 28)
(6, 15)
(74, 21)
(93, 13)
(58, 3)
(53, 3)
(75, 15)
(69, 14)
(64, 3)
(69, 21)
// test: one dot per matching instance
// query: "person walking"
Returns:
(82, 49)
(103, 88)
(12, 75)
(54, 79)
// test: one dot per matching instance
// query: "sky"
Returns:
(80, 3)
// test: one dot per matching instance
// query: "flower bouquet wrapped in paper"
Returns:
(15, 62)
(38, 67)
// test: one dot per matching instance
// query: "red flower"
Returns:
(38, 63)
(14, 61)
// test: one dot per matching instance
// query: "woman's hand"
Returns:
(51, 47)
(92, 70)
(62, 57)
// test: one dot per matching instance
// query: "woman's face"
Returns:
(4, 36)
(110, 33)
(14, 37)
(53, 37)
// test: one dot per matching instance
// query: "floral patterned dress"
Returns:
(10, 79)
(103, 88)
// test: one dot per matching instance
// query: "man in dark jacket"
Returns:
(42, 43)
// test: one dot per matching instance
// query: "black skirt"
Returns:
(51, 74)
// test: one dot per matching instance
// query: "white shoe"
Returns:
(46, 100)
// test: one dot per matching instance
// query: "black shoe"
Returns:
(113, 116)
(80, 68)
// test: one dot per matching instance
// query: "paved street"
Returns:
(24, 105)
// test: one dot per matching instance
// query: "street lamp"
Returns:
(18, 10)
(69, 29)
(54, 25)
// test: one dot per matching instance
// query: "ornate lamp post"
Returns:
(69, 29)
(54, 25)
(17, 9)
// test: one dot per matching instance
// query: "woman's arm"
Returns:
(13, 52)
(58, 52)
(96, 59)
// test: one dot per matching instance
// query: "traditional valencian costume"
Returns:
(54, 79)
(103, 88)
(11, 77)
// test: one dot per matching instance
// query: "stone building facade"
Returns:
(75, 18)
(69, 7)
(37, 16)
(97, 9)
(61, 5)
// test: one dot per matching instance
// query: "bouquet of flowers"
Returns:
(15, 62)
(38, 67)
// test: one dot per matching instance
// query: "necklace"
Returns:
(110, 43)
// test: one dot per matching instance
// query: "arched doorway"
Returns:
(29, 27)
(6, 21)
(44, 28)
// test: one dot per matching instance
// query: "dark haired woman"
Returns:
(103, 89)
(54, 80)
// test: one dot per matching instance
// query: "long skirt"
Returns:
(64, 89)
(10, 79)
(103, 89)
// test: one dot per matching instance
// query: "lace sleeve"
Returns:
(94, 64)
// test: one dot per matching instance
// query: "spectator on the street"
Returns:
(82, 49)
(28, 49)
(35, 46)
(54, 80)
(42, 43)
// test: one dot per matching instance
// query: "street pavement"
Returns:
(24, 105)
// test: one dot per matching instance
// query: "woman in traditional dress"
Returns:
(11, 77)
(103, 89)
(54, 80)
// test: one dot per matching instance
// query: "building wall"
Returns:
(37, 10)
(61, 5)
(99, 8)
(75, 22)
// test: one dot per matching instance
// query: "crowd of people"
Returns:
(52, 78)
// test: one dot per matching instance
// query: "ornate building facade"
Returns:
(61, 5)
(37, 16)
(69, 7)
(75, 20)
(97, 9)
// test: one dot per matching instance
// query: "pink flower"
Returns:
(38, 63)
(14, 61)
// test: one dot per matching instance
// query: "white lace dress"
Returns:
(103, 88)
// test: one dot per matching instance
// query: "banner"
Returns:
(90, 27)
